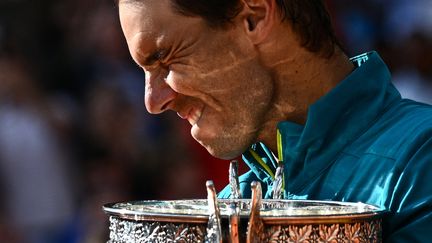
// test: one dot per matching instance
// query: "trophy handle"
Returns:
(255, 233)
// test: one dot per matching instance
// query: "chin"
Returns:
(218, 145)
(223, 148)
(221, 154)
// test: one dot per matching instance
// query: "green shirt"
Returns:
(361, 142)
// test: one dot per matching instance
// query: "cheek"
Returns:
(179, 81)
(254, 94)
(186, 80)
(228, 88)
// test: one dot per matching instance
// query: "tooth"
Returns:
(198, 115)
(192, 120)
(194, 117)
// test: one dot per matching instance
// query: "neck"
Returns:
(300, 79)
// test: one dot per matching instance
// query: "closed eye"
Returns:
(156, 56)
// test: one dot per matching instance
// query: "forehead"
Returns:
(143, 15)
(154, 19)
(145, 23)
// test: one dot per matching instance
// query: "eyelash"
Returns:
(160, 54)
(157, 58)
(155, 66)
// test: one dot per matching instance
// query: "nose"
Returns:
(158, 94)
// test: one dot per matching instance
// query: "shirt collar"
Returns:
(336, 118)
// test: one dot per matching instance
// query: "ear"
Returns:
(259, 17)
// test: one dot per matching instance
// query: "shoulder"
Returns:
(403, 128)
(409, 114)
(404, 133)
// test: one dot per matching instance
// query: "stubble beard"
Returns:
(230, 145)
(236, 137)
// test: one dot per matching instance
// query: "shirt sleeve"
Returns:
(410, 216)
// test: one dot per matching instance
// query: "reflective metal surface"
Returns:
(233, 177)
(271, 210)
(284, 221)
(214, 229)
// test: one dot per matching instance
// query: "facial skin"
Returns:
(211, 77)
(233, 85)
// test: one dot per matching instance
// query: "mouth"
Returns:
(193, 116)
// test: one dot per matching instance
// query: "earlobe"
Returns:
(259, 16)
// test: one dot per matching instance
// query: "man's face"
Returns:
(211, 77)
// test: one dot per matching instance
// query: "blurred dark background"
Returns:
(74, 133)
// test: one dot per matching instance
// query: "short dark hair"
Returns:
(310, 19)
